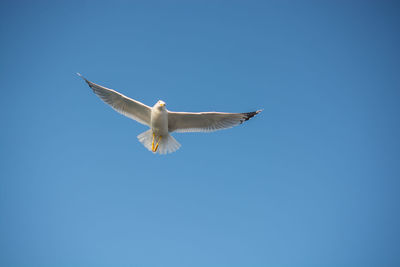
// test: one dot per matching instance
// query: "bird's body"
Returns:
(159, 119)
(162, 122)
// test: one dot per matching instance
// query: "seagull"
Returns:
(162, 122)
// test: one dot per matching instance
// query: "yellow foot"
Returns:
(154, 148)
(159, 140)
(152, 144)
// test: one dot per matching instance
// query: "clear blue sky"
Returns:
(311, 181)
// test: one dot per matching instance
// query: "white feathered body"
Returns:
(159, 126)
(159, 120)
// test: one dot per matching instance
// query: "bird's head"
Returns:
(160, 104)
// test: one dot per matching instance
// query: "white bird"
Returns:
(162, 121)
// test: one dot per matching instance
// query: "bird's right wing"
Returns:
(127, 106)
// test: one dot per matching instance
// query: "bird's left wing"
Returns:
(205, 121)
(127, 106)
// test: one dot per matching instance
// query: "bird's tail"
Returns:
(167, 144)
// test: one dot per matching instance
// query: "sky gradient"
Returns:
(311, 181)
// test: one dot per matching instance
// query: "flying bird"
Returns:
(162, 122)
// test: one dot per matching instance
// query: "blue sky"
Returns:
(311, 181)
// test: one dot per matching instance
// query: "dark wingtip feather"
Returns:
(249, 115)
(88, 82)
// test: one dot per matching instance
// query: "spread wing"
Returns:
(127, 106)
(205, 121)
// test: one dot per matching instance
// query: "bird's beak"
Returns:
(162, 104)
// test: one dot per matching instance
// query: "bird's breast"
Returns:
(159, 122)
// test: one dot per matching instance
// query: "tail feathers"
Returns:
(168, 144)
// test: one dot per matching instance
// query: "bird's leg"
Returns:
(152, 144)
(159, 139)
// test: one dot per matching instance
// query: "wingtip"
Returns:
(249, 115)
(80, 75)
